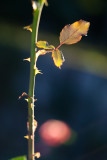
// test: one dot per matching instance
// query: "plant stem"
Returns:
(58, 46)
(35, 26)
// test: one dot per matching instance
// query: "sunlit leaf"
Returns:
(44, 44)
(19, 158)
(73, 33)
(58, 57)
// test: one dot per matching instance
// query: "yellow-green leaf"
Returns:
(73, 33)
(44, 44)
(58, 57)
(19, 158)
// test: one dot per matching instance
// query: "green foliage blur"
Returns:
(19, 158)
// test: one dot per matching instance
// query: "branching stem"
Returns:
(58, 46)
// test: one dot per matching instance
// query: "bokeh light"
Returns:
(55, 132)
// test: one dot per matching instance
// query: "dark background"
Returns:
(76, 94)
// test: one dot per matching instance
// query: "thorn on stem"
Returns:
(26, 99)
(27, 136)
(28, 28)
(35, 100)
(37, 155)
(35, 125)
(25, 94)
(27, 59)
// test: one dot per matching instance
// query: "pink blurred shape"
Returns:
(55, 132)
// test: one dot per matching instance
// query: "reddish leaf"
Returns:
(73, 33)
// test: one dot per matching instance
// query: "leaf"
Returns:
(19, 158)
(58, 57)
(73, 33)
(44, 44)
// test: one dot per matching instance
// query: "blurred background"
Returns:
(76, 95)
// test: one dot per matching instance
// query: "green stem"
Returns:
(35, 26)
